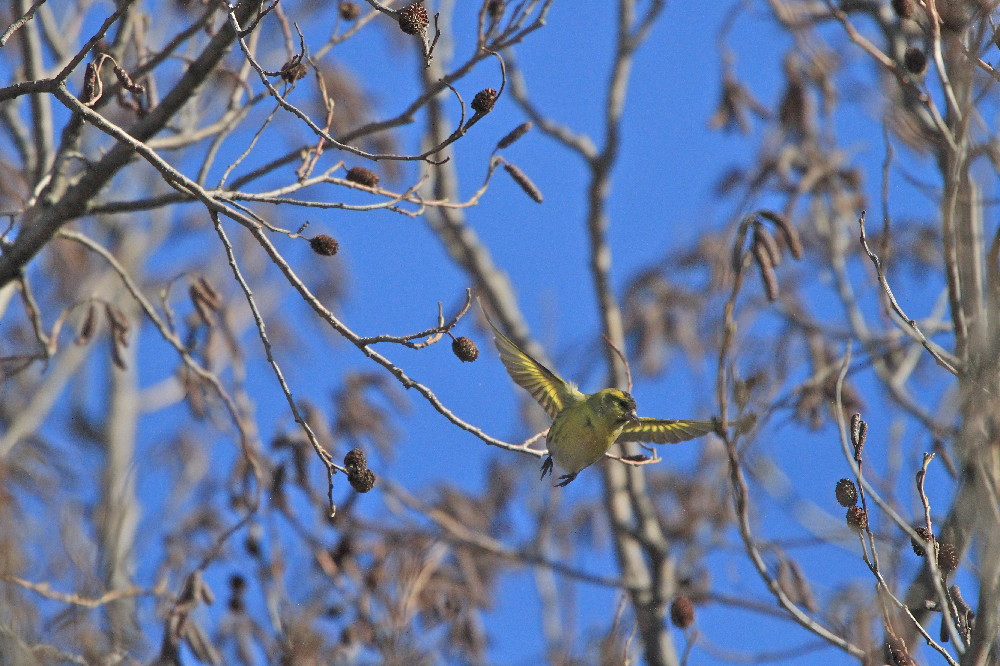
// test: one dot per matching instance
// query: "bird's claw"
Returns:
(565, 478)
(547, 466)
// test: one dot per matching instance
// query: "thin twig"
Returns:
(16, 25)
(45, 589)
(943, 358)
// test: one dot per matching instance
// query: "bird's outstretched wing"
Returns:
(551, 391)
(664, 431)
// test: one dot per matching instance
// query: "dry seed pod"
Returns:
(91, 85)
(847, 492)
(361, 480)
(349, 11)
(237, 584)
(682, 612)
(915, 60)
(514, 135)
(362, 176)
(413, 19)
(324, 245)
(355, 459)
(293, 70)
(208, 293)
(763, 237)
(925, 536)
(89, 325)
(119, 326)
(193, 393)
(118, 320)
(484, 100)
(857, 518)
(787, 230)
(203, 308)
(465, 349)
(127, 82)
(965, 612)
(767, 275)
(116, 354)
(947, 558)
(859, 431)
(903, 8)
(524, 182)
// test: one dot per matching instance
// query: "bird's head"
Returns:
(616, 405)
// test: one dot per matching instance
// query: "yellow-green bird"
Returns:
(585, 426)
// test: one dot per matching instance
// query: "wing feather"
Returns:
(664, 431)
(551, 391)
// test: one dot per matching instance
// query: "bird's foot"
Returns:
(547, 466)
(566, 478)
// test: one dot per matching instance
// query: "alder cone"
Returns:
(413, 19)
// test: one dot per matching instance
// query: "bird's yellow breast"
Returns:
(580, 437)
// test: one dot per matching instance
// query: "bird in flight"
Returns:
(585, 426)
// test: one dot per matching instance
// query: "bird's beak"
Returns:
(632, 417)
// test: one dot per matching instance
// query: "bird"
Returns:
(585, 426)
